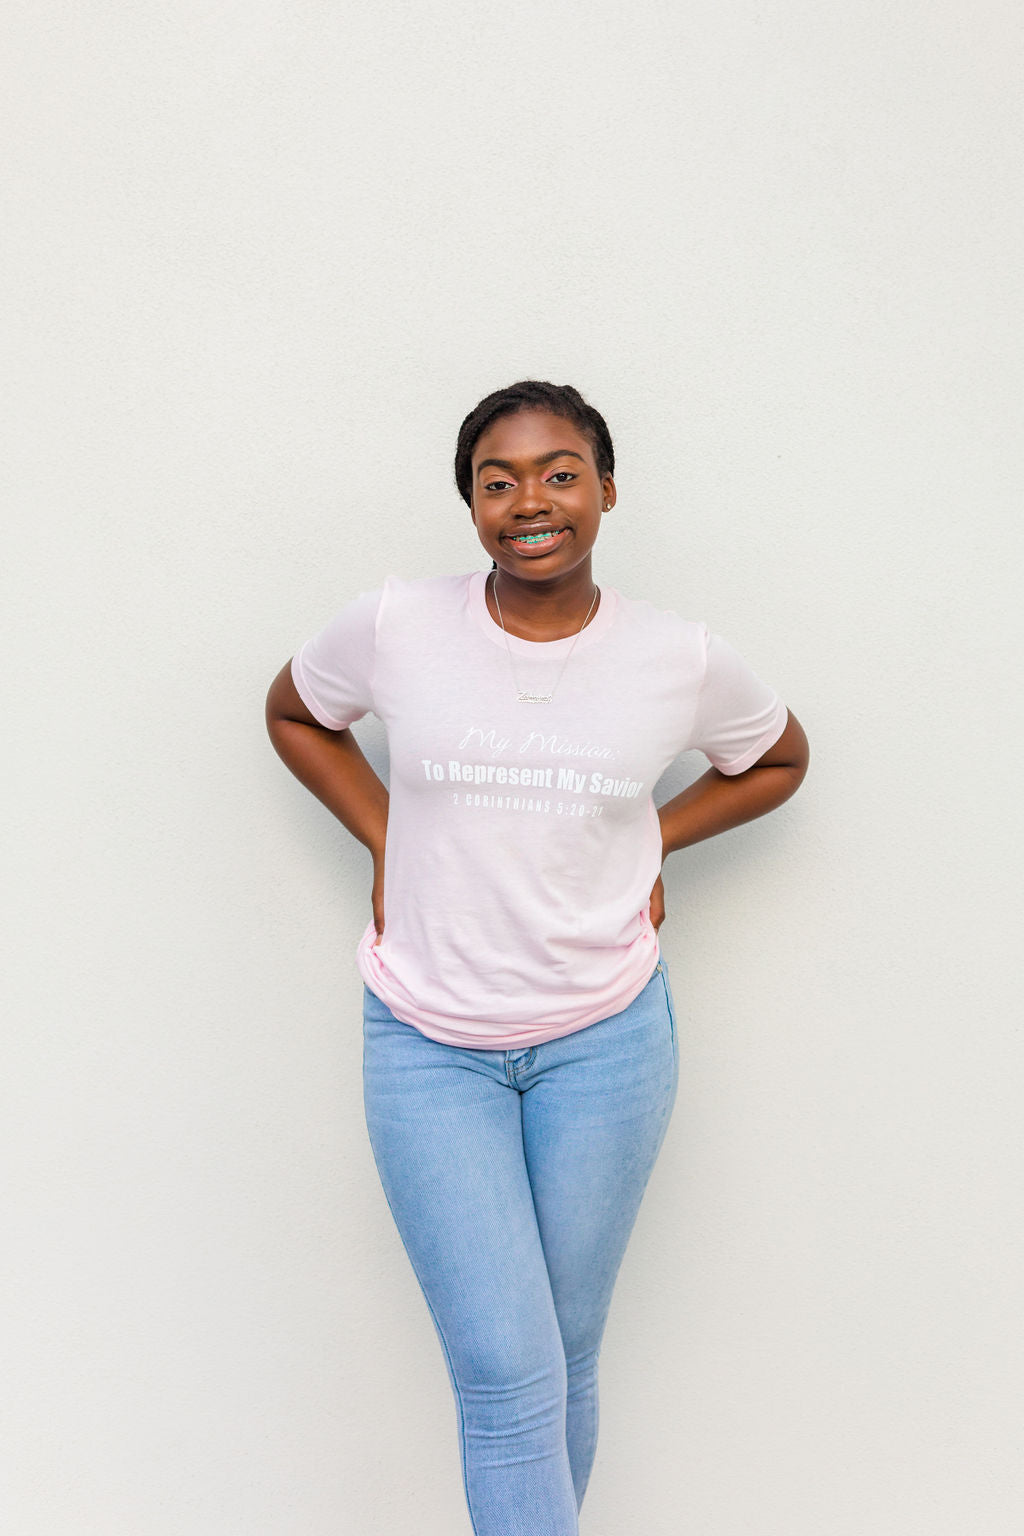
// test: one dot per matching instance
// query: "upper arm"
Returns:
(790, 751)
(283, 701)
(737, 715)
(330, 681)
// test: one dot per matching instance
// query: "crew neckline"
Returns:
(494, 632)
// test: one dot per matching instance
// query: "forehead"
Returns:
(529, 434)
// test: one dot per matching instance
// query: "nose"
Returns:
(533, 497)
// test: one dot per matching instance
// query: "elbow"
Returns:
(797, 773)
(798, 756)
(276, 706)
(798, 768)
(794, 759)
(270, 712)
(274, 724)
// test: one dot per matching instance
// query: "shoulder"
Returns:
(662, 628)
(431, 598)
(427, 590)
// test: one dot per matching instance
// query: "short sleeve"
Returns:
(333, 672)
(738, 716)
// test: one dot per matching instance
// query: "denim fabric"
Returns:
(515, 1178)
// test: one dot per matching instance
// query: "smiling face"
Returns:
(537, 498)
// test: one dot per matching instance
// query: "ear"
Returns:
(607, 493)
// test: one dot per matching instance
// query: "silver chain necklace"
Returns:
(522, 696)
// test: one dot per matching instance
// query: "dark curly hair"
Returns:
(531, 395)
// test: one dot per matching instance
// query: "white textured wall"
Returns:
(264, 257)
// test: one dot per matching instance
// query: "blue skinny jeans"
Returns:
(515, 1178)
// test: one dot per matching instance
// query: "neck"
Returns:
(548, 610)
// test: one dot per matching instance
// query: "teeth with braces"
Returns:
(533, 538)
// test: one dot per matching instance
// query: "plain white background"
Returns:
(261, 260)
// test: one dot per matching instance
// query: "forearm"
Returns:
(331, 766)
(717, 801)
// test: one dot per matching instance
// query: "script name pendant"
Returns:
(523, 695)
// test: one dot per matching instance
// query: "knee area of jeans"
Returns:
(501, 1390)
(581, 1369)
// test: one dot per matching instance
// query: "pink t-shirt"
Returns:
(522, 840)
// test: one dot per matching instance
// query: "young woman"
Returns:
(520, 1052)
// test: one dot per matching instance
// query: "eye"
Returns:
(562, 476)
(497, 485)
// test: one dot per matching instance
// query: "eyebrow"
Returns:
(545, 458)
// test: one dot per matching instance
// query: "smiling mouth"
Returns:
(541, 541)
